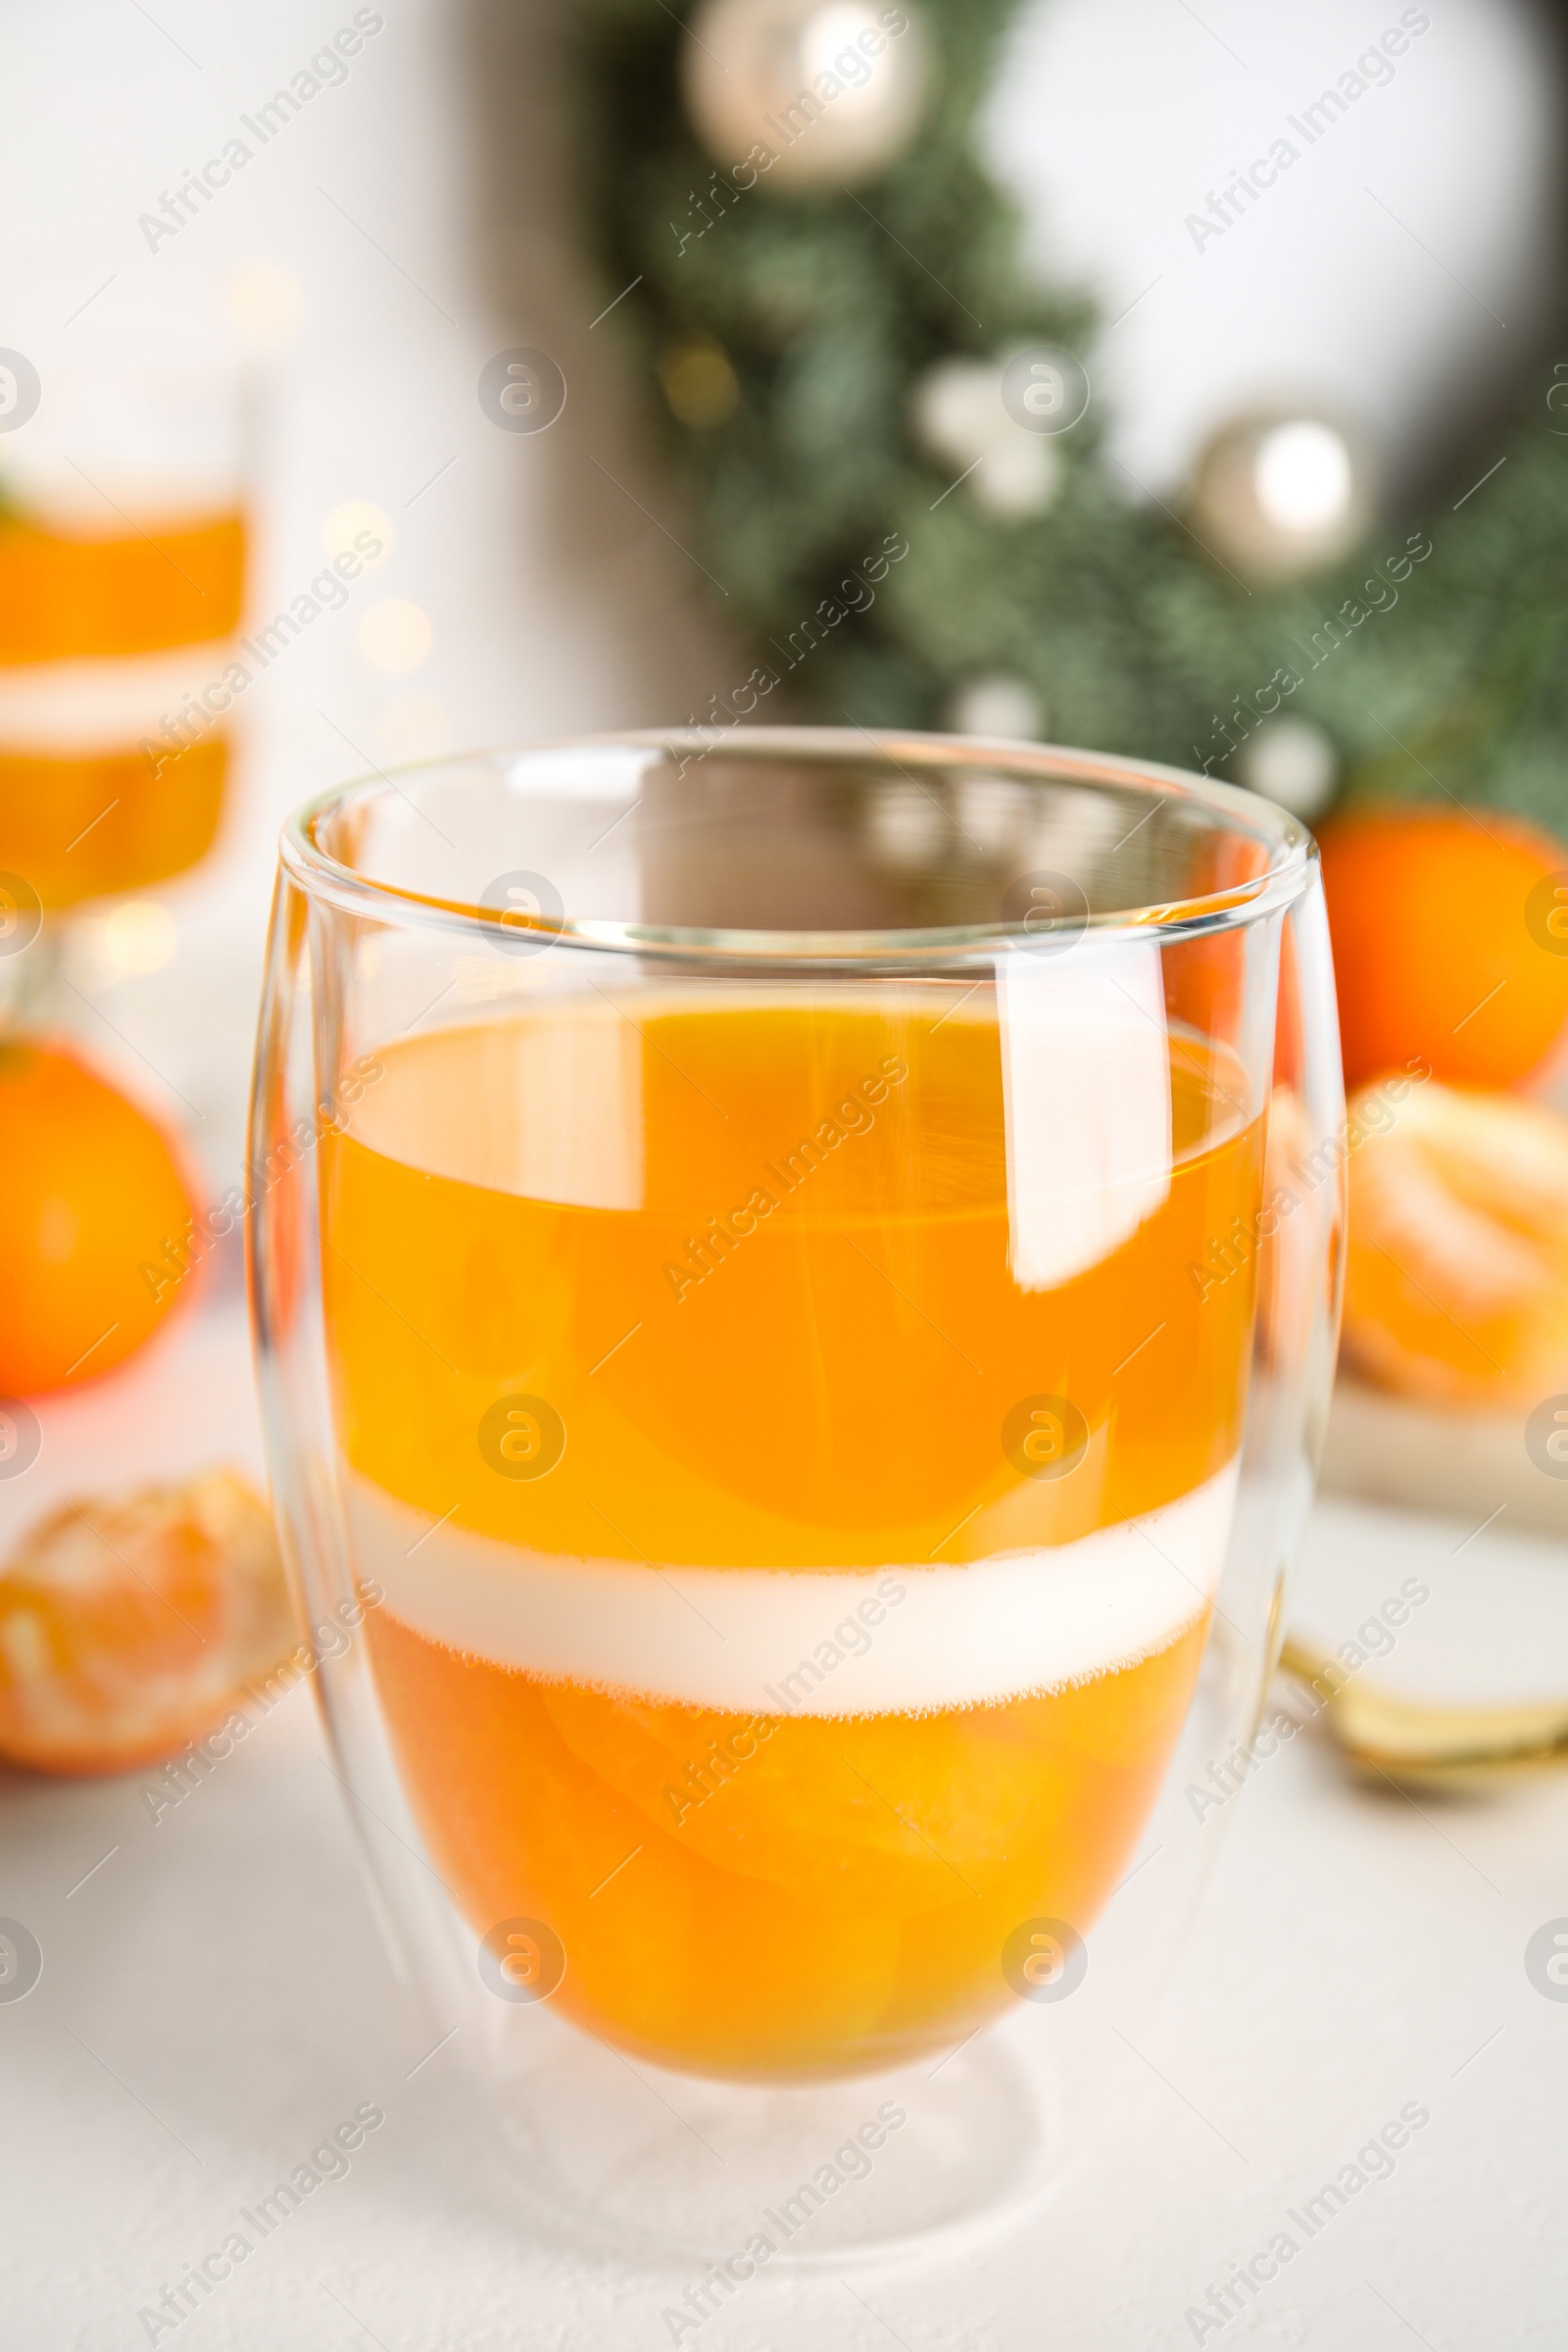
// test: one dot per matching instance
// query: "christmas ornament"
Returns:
(699, 382)
(957, 413)
(801, 94)
(1045, 391)
(1276, 496)
(1291, 761)
(998, 707)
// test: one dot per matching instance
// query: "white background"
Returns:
(1394, 273)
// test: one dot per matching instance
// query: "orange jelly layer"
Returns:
(70, 598)
(840, 1901)
(793, 1892)
(85, 826)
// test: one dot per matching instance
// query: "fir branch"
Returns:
(829, 308)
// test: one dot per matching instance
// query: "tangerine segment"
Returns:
(750, 1895)
(90, 1193)
(84, 826)
(62, 597)
(1456, 1277)
(127, 1629)
(1433, 952)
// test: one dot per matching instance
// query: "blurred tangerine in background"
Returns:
(1442, 948)
(1456, 1272)
(91, 1190)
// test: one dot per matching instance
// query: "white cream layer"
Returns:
(804, 1642)
(78, 710)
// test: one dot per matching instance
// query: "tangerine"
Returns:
(129, 1629)
(1456, 1268)
(90, 1193)
(1444, 942)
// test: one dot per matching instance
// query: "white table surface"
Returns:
(215, 1999)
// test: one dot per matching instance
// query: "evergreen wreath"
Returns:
(782, 335)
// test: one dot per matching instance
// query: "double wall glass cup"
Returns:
(795, 1285)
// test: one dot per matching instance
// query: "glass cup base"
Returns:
(636, 2160)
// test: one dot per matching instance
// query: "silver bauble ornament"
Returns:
(958, 416)
(830, 90)
(996, 705)
(1291, 761)
(1279, 494)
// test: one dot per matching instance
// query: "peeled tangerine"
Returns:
(129, 1629)
(1456, 1281)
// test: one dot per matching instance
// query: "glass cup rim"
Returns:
(1292, 850)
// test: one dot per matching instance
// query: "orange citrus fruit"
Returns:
(129, 1629)
(90, 1193)
(1456, 1273)
(1440, 950)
